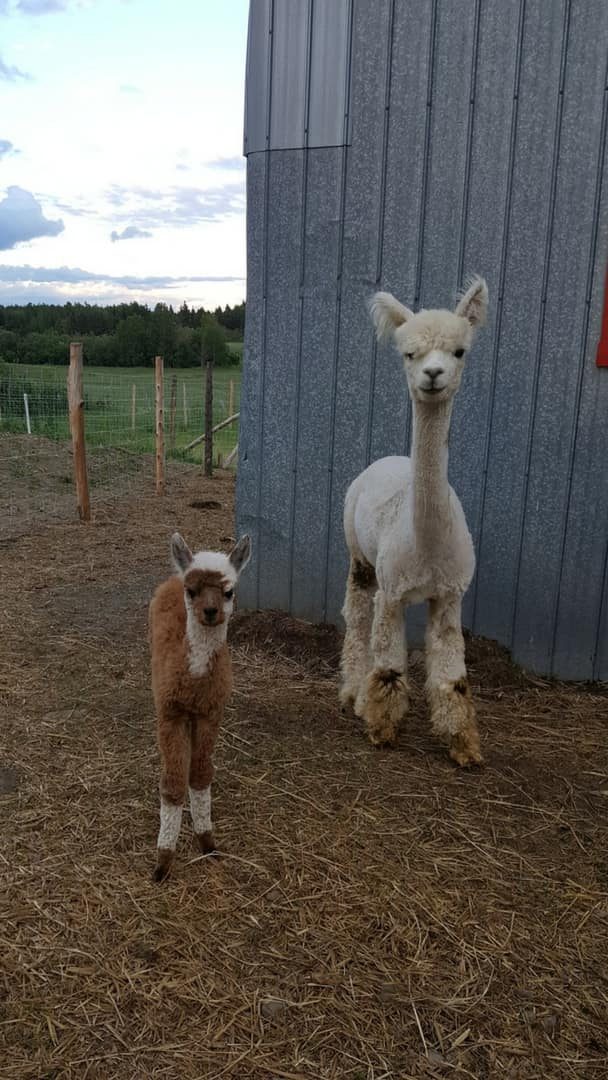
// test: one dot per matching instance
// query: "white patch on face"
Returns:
(200, 809)
(215, 561)
(170, 824)
(203, 641)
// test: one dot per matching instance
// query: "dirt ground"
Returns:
(375, 915)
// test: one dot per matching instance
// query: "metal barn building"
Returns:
(404, 144)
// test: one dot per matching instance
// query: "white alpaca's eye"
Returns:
(458, 353)
(409, 356)
(229, 594)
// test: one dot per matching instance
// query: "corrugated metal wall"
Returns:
(404, 145)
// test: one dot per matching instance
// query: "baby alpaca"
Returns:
(191, 683)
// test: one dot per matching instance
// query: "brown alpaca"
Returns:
(191, 683)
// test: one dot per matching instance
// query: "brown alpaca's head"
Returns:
(209, 579)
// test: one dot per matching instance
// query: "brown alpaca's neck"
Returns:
(429, 454)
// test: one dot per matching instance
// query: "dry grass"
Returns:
(376, 915)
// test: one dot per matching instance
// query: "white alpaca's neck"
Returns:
(429, 454)
(202, 643)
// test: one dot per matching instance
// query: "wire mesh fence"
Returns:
(36, 467)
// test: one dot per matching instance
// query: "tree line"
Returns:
(125, 335)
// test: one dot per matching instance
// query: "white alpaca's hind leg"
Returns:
(384, 700)
(447, 686)
(358, 612)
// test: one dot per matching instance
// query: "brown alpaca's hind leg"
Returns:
(174, 746)
(384, 699)
(447, 687)
(204, 733)
(358, 612)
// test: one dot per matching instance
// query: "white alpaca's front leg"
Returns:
(383, 702)
(447, 686)
(358, 612)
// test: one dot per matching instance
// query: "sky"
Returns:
(121, 136)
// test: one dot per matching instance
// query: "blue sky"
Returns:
(121, 130)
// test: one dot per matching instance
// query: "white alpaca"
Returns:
(409, 542)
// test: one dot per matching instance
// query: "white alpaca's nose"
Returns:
(432, 371)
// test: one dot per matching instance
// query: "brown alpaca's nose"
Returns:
(210, 613)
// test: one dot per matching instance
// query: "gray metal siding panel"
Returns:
(286, 38)
(319, 308)
(465, 157)
(257, 76)
(449, 116)
(517, 358)
(354, 377)
(252, 388)
(289, 73)
(328, 103)
(284, 238)
(481, 240)
(562, 350)
(581, 637)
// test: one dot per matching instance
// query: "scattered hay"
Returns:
(376, 915)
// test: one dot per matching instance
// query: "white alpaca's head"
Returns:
(209, 578)
(433, 343)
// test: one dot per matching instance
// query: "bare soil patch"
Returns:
(376, 914)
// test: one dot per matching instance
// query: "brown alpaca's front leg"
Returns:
(174, 746)
(204, 733)
(447, 687)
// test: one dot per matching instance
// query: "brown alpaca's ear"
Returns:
(387, 314)
(473, 304)
(181, 555)
(241, 554)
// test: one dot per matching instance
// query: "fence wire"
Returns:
(36, 465)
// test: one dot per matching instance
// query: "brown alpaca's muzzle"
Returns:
(205, 590)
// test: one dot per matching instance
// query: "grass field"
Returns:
(119, 405)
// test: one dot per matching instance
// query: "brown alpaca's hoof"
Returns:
(163, 865)
(206, 843)
(465, 749)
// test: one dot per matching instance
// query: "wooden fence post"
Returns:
(209, 418)
(133, 399)
(76, 406)
(231, 398)
(160, 433)
(185, 406)
(172, 412)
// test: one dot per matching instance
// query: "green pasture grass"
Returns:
(110, 417)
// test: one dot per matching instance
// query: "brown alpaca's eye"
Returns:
(191, 593)
(458, 353)
(229, 594)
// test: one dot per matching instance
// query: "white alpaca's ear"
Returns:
(181, 556)
(241, 554)
(387, 314)
(473, 304)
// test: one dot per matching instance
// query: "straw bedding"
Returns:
(375, 915)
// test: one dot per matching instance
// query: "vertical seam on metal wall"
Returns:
(265, 289)
(427, 154)
(336, 353)
(464, 217)
(500, 298)
(381, 217)
(540, 336)
(296, 419)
